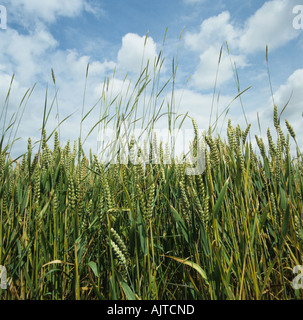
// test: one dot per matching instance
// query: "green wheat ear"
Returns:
(272, 147)
(290, 130)
(245, 134)
(150, 205)
(120, 242)
(71, 193)
(276, 120)
(298, 228)
(121, 257)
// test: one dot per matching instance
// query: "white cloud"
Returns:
(205, 74)
(29, 66)
(30, 56)
(24, 54)
(115, 87)
(199, 106)
(292, 91)
(214, 31)
(289, 92)
(271, 24)
(132, 50)
(46, 10)
(95, 8)
(71, 65)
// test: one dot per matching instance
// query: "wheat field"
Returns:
(73, 227)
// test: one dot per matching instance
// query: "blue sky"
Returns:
(66, 35)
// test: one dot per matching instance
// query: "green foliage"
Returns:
(72, 227)
(237, 222)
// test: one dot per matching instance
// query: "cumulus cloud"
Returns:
(205, 75)
(271, 24)
(69, 67)
(133, 49)
(95, 8)
(47, 10)
(26, 54)
(199, 106)
(213, 32)
(23, 54)
(30, 57)
(291, 91)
